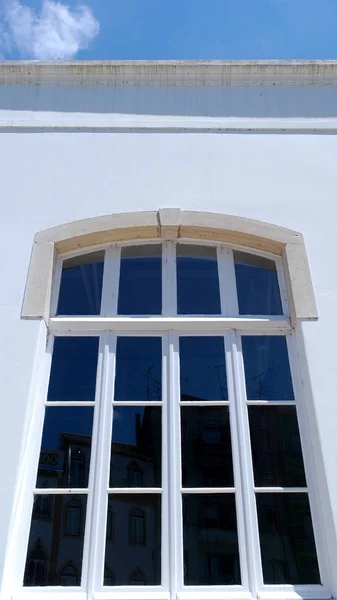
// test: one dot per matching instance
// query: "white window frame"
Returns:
(108, 325)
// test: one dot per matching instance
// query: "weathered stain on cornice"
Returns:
(170, 72)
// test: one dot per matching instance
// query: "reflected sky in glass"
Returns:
(257, 285)
(206, 447)
(73, 369)
(81, 285)
(197, 280)
(138, 369)
(136, 447)
(202, 368)
(134, 554)
(287, 541)
(140, 281)
(267, 369)
(211, 553)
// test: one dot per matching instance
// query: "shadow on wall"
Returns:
(211, 101)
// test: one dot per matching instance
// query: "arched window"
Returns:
(137, 577)
(68, 576)
(178, 343)
(134, 475)
(35, 567)
(137, 526)
(73, 518)
(109, 577)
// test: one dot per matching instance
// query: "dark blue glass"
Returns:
(257, 285)
(202, 368)
(66, 447)
(56, 541)
(138, 369)
(267, 369)
(73, 369)
(134, 553)
(287, 541)
(276, 446)
(140, 281)
(81, 285)
(211, 552)
(206, 450)
(197, 280)
(136, 447)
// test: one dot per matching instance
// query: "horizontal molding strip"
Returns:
(134, 324)
(170, 72)
(11, 119)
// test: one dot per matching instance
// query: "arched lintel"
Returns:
(169, 224)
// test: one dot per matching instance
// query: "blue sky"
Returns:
(161, 29)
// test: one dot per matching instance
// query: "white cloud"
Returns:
(55, 32)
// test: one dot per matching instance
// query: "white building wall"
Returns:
(50, 177)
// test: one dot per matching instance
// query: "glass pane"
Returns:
(197, 280)
(276, 446)
(202, 368)
(140, 286)
(287, 540)
(81, 285)
(257, 285)
(73, 369)
(56, 541)
(267, 369)
(211, 553)
(136, 447)
(66, 448)
(134, 554)
(138, 369)
(206, 447)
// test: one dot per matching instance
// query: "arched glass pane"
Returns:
(197, 280)
(140, 286)
(257, 285)
(81, 285)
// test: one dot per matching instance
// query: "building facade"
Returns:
(167, 371)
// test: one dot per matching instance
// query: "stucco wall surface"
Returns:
(50, 177)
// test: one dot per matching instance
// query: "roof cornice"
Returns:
(171, 72)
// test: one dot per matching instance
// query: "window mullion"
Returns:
(252, 543)
(227, 282)
(235, 441)
(100, 482)
(174, 474)
(110, 281)
(169, 279)
(165, 500)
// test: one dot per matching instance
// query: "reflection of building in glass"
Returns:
(133, 540)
